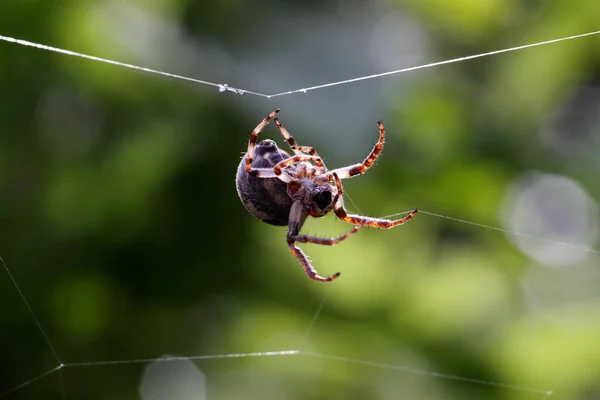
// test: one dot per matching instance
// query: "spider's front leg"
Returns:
(250, 153)
(278, 169)
(358, 169)
(381, 223)
(298, 150)
(297, 217)
(258, 172)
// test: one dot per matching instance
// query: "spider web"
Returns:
(542, 393)
(302, 350)
(223, 87)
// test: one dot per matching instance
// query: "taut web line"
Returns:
(494, 228)
(282, 353)
(223, 87)
(30, 310)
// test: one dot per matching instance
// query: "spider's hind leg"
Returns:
(358, 169)
(252, 142)
(250, 154)
(380, 223)
(298, 150)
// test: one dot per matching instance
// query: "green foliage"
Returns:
(120, 221)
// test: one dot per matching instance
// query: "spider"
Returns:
(281, 190)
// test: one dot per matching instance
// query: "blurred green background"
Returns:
(120, 221)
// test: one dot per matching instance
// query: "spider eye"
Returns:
(322, 199)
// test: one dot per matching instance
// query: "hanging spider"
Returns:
(280, 189)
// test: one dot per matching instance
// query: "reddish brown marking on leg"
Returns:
(326, 241)
(292, 143)
(307, 149)
(338, 184)
(381, 223)
(311, 150)
(294, 159)
(370, 160)
(286, 135)
(252, 141)
(249, 163)
(310, 271)
(358, 169)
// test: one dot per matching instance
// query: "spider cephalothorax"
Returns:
(282, 189)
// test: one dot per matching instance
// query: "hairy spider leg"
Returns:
(298, 215)
(278, 169)
(262, 172)
(252, 140)
(380, 223)
(297, 218)
(298, 149)
(326, 241)
(308, 268)
(358, 169)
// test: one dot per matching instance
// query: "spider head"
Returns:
(320, 203)
(309, 197)
(316, 197)
(321, 198)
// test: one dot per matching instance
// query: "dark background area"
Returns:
(120, 222)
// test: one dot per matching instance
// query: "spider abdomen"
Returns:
(266, 199)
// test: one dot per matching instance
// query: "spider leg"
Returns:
(263, 172)
(296, 219)
(381, 223)
(252, 142)
(308, 268)
(357, 169)
(298, 150)
(271, 173)
(278, 169)
(327, 241)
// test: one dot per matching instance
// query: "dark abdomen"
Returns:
(266, 199)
